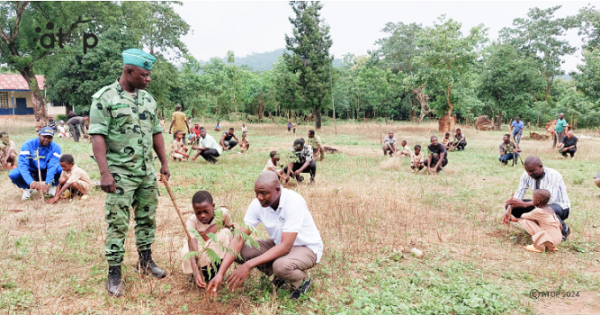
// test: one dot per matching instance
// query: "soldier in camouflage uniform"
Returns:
(124, 128)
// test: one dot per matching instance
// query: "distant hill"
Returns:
(264, 61)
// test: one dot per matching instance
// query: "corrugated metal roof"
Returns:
(14, 82)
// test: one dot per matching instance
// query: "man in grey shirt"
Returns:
(389, 144)
(76, 122)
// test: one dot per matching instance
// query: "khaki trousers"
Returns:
(291, 267)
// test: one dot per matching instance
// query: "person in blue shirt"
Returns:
(517, 129)
(26, 177)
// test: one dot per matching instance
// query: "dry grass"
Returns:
(366, 206)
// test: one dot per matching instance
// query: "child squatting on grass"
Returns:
(205, 222)
(73, 180)
(542, 224)
(178, 148)
(417, 160)
(272, 165)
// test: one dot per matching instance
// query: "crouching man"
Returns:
(294, 244)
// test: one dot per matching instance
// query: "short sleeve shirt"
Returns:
(518, 125)
(389, 140)
(269, 165)
(176, 146)
(291, 216)
(209, 142)
(75, 174)
(128, 125)
(439, 149)
(416, 159)
(304, 155)
(314, 142)
(5, 146)
(179, 122)
(569, 142)
(193, 222)
(507, 148)
(560, 125)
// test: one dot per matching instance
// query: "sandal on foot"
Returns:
(531, 248)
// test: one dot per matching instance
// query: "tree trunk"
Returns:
(261, 108)
(448, 126)
(317, 118)
(498, 122)
(424, 101)
(39, 103)
(548, 85)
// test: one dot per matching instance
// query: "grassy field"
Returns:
(371, 211)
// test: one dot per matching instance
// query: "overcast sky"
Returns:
(260, 26)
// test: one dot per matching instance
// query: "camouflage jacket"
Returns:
(128, 125)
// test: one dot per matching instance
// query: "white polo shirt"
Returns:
(292, 215)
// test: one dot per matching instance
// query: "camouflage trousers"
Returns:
(141, 194)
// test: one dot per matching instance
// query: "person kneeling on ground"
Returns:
(537, 177)
(294, 244)
(305, 162)
(389, 145)
(178, 149)
(568, 145)
(218, 126)
(47, 153)
(541, 223)
(7, 151)
(438, 156)
(315, 143)
(226, 141)
(508, 150)
(272, 165)
(405, 149)
(460, 141)
(207, 147)
(205, 222)
(417, 160)
(73, 180)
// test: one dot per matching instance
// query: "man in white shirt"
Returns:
(536, 177)
(207, 147)
(294, 244)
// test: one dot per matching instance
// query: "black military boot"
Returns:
(113, 283)
(147, 265)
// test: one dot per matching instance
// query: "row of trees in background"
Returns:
(417, 72)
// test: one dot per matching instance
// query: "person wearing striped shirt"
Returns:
(536, 177)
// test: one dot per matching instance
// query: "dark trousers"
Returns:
(460, 145)
(74, 128)
(509, 156)
(230, 144)
(311, 168)
(17, 178)
(561, 213)
(434, 159)
(210, 155)
(557, 137)
(570, 151)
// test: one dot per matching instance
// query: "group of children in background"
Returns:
(179, 151)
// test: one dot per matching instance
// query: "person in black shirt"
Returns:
(569, 145)
(226, 141)
(438, 157)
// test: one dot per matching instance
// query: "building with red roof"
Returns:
(15, 96)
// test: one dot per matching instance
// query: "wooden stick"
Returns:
(189, 236)
(509, 215)
(515, 142)
(37, 153)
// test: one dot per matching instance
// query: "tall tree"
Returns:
(309, 47)
(446, 59)
(540, 36)
(23, 29)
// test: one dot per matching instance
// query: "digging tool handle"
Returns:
(189, 236)
(509, 215)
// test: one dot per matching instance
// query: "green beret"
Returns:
(139, 58)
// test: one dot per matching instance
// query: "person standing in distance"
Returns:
(124, 127)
